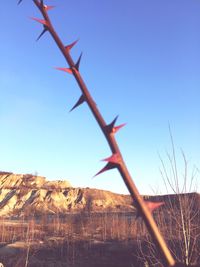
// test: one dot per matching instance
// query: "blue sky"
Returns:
(141, 61)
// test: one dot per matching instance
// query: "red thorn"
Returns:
(65, 70)
(108, 167)
(115, 158)
(153, 205)
(78, 62)
(47, 8)
(116, 128)
(44, 22)
(109, 127)
(69, 47)
(79, 102)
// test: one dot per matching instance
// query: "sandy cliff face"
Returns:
(28, 194)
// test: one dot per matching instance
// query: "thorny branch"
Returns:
(109, 130)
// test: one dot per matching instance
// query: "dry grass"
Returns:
(101, 226)
(87, 239)
(83, 237)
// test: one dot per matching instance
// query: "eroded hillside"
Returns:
(29, 194)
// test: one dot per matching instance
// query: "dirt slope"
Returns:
(28, 194)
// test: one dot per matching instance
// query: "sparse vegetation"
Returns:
(179, 223)
(104, 237)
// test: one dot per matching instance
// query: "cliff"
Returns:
(32, 195)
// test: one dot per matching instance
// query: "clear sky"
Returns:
(141, 61)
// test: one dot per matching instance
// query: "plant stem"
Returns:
(121, 166)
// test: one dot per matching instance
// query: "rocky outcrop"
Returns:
(23, 195)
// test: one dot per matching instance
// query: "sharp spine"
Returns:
(80, 101)
(77, 65)
(115, 158)
(110, 126)
(69, 70)
(47, 8)
(70, 46)
(44, 22)
(117, 128)
(108, 167)
(42, 33)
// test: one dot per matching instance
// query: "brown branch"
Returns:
(116, 160)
